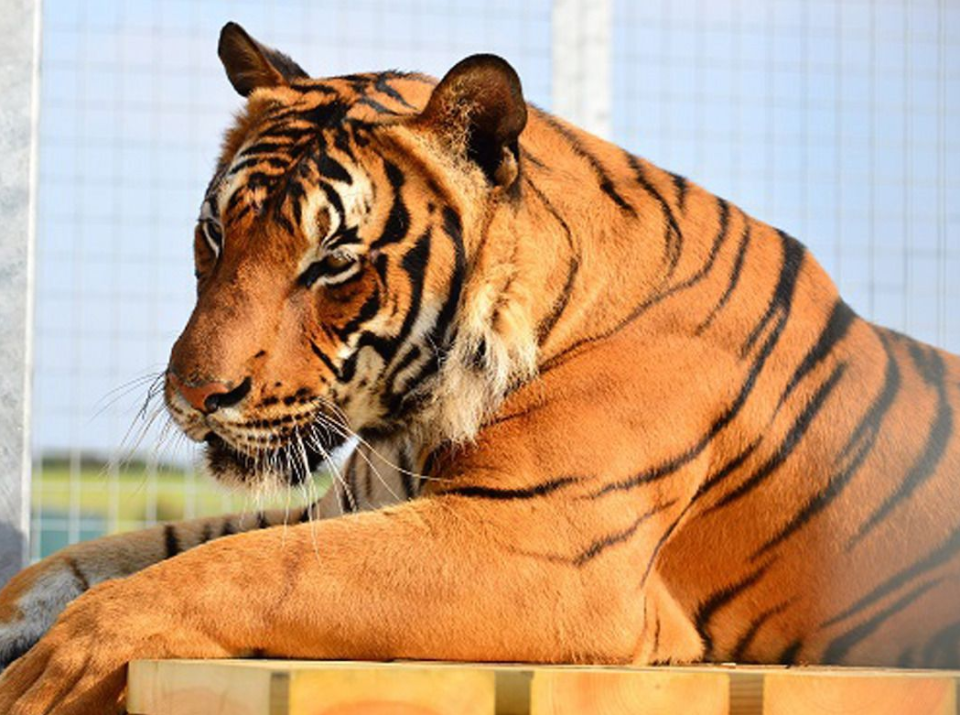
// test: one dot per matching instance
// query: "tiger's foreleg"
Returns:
(32, 600)
(444, 577)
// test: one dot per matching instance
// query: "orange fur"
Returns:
(652, 433)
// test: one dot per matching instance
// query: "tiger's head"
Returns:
(337, 252)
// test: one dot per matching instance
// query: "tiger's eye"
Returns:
(338, 261)
(330, 267)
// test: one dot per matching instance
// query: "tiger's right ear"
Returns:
(478, 111)
(250, 65)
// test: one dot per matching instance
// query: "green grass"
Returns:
(85, 500)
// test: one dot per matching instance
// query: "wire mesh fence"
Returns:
(836, 120)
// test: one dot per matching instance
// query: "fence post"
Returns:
(582, 57)
(19, 77)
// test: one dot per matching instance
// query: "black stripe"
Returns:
(729, 468)
(295, 196)
(440, 335)
(267, 146)
(398, 220)
(349, 368)
(941, 555)
(656, 639)
(603, 178)
(718, 241)
(517, 415)
(716, 601)
(368, 311)
(841, 317)
(307, 514)
(407, 481)
(793, 437)
(332, 169)
(682, 185)
(855, 452)
(941, 650)
(280, 161)
(381, 86)
(735, 274)
(78, 574)
(341, 140)
(841, 645)
(659, 545)
(367, 481)
(286, 224)
(324, 359)
(375, 105)
(170, 541)
(926, 361)
(414, 263)
(618, 537)
(262, 522)
(673, 245)
(905, 659)
(573, 268)
(537, 490)
(393, 396)
(348, 501)
(739, 652)
(333, 198)
(227, 529)
(788, 656)
(344, 237)
(929, 460)
(780, 301)
(206, 533)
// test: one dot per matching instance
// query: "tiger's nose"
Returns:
(208, 397)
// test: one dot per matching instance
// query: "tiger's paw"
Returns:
(32, 601)
(79, 666)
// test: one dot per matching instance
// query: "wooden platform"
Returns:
(249, 687)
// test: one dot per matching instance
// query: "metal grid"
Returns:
(836, 120)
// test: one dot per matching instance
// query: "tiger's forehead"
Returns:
(300, 162)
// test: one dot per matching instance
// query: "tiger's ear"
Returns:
(251, 65)
(478, 111)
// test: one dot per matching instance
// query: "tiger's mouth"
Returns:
(291, 463)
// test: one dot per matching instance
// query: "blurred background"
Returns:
(836, 120)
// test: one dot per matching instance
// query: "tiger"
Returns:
(598, 415)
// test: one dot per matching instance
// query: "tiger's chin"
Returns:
(270, 468)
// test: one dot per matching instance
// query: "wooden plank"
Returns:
(183, 687)
(249, 687)
(623, 692)
(374, 689)
(799, 693)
